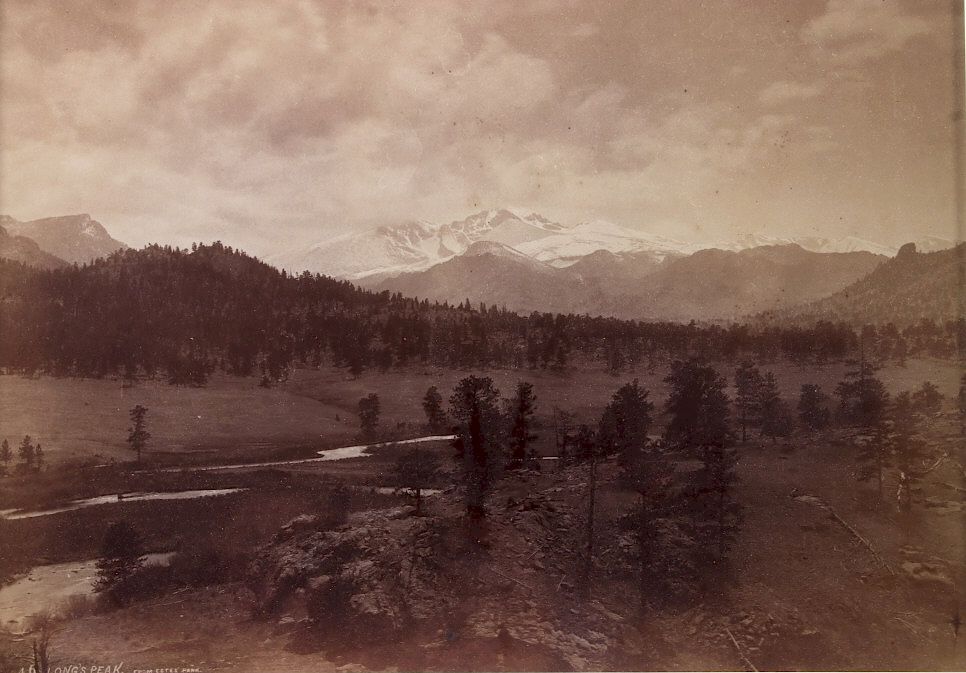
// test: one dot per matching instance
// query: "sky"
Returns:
(275, 124)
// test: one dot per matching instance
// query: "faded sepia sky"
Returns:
(270, 123)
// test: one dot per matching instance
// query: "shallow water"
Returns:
(48, 587)
(360, 451)
(363, 449)
(393, 490)
(115, 498)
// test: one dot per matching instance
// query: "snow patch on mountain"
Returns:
(419, 245)
(571, 245)
(481, 248)
(845, 244)
(415, 246)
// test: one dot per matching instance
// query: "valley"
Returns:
(446, 337)
(259, 439)
(891, 598)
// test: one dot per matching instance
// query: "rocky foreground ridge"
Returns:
(391, 590)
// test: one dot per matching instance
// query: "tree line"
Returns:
(184, 314)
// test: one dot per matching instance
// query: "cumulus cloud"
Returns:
(785, 91)
(192, 120)
(854, 31)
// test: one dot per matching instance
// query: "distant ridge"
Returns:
(26, 251)
(715, 285)
(77, 239)
(908, 288)
(414, 246)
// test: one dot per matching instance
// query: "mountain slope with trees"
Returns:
(708, 285)
(912, 287)
(184, 314)
(26, 251)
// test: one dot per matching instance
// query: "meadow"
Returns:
(235, 418)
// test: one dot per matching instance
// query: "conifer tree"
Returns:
(521, 409)
(588, 451)
(863, 399)
(122, 556)
(776, 417)
(928, 399)
(433, 407)
(907, 448)
(624, 426)
(369, 410)
(961, 404)
(874, 456)
(474, 405)
(748, 382)
(698, 426)
(138, 435)
(813, 409)
(26, 452)
(564, 435)
(6, 455)
(416, 469)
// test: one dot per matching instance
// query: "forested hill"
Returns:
(183, 314)
(906, 290)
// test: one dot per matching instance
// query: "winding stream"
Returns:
(342, 453)
(114, 498)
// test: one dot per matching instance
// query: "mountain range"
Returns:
(707, 285)
(69, 239)
(375, 255)
(525, 262)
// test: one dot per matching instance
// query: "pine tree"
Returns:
(694, 407)
(433, 407)
(564, 434)
(901, 351)
(38, 457)
(748, 382)
(813, 409)
(862, 397)
(907, 447)
(138, 435)
(927, 400)
(588, 451)
(699, 426)
(474, 405)
(6, 455)
(624, 426)
(26, 453)
(776, 417)
(521, 409)
(122, 556)
(874, 455)
(416, 469)
(961, 404)
(369, 415)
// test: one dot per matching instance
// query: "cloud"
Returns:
(855, 31)
(585, 30)
(785, 91)
(189, 119)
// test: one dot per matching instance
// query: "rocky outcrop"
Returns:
(508, 587)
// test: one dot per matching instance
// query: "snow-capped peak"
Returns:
(418, 245)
